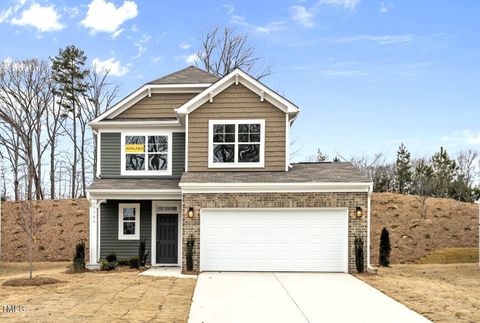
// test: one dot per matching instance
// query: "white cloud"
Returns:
(141, 46)
(229, 7)
(379, 39)
(185, 45)
(383, 7)
(114, 67)
(271, 27)
(465, 136)
(44, 19)
(347, 4)
(7, 13)
(156, 59)
(191, 59)
(302, 15)
(103, 16)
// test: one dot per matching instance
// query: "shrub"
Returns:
(359, 260)
(190, 251)
(107, 266)
(111, 257)
(142, 252)
(134, 262)
(123, 262)
(385, 248)
(79, 257)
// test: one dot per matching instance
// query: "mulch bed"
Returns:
(36, 281)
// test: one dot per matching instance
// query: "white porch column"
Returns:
(93, 236)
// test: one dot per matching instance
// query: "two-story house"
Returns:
(194, 155)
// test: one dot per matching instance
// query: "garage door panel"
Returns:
(274, 240)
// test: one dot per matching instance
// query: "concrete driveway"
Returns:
(292, 297)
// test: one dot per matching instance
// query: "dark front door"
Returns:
(167, 239)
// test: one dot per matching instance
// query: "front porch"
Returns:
(119, 225)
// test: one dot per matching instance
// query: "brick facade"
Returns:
(356, 226)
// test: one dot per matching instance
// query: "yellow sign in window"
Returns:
(135, 148)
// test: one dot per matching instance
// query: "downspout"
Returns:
(369, 204)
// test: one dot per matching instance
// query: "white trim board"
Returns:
(114, 194)
(273, 187)
(145, 90)
(235, 77)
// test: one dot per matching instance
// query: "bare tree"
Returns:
(99, 97)
(225, 50)
(24, 88)
(468, 162)
(10, 142)
(31, 218)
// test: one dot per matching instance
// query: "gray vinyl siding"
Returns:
(110, 153)
(109, 230)
(178, 154)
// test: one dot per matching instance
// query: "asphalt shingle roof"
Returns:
(299, 173)
(189, 75)
(135, 184)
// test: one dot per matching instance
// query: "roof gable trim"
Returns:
(236, 77)
(147, 90)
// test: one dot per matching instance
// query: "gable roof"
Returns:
(235, 77)
(188, 75)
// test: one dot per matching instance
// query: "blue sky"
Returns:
(366, 74)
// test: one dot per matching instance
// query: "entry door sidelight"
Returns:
(167, 239)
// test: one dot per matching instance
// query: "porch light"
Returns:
(190, 212)
(359, 212)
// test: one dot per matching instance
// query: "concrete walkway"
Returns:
(166, 272)
(292, 297)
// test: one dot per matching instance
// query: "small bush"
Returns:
(385, 248)
(123, 262)
(359, 260)
(134, 262)
(111, 257)
(190, 251)
(79, 257)
(143, 252)
(107, 266)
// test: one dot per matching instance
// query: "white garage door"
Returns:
(274, 240)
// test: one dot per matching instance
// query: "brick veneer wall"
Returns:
(356, 226)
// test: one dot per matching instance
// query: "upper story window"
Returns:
(236, 143)
(146, 154)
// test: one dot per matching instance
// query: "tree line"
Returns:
(437, 176)
(45, 107)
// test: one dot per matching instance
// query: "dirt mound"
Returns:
(67, 224)
(418, 226)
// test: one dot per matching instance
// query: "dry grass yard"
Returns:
(95, 296)
(442, 293)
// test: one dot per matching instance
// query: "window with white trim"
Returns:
(146, 154)
(129, 221)
(236, 143)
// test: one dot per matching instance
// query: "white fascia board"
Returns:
(122, 125)
(237, 76)
(135, 194)
(143, 92)
(273, 187)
